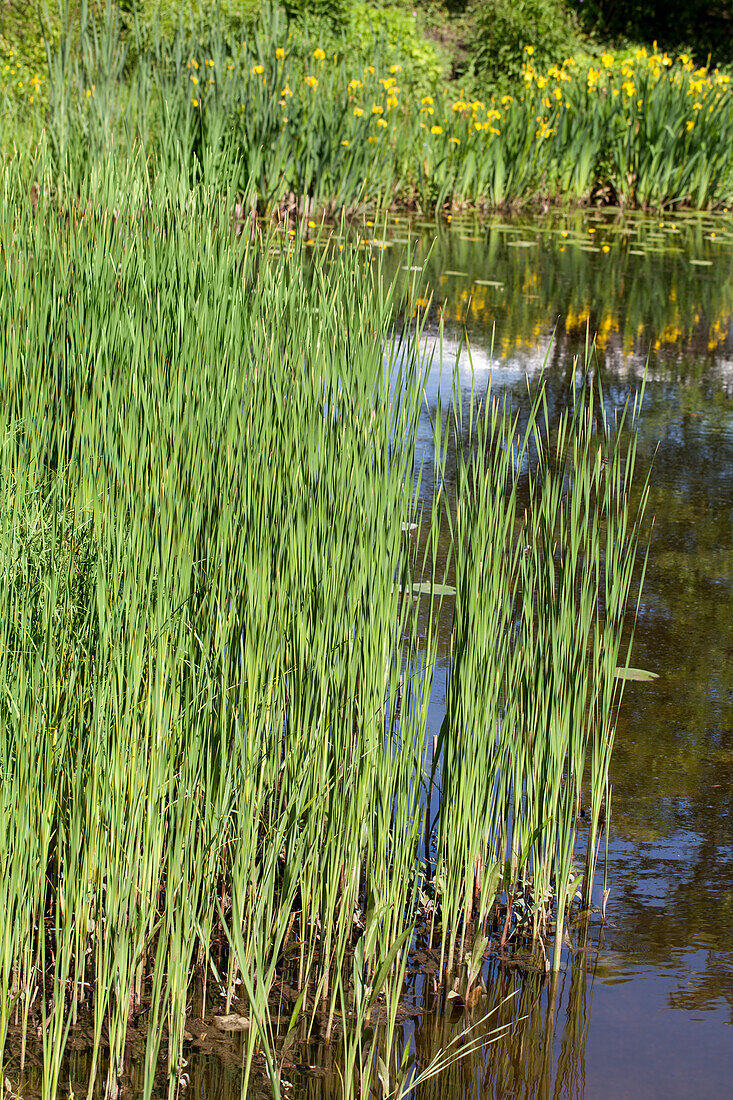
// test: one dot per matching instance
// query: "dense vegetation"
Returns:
(222, 567)
(703, 28)
(220, 584)
(344, 109)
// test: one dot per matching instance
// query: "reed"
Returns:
(545, 539)
(220, 590)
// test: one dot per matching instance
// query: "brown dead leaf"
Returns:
(232, 1023)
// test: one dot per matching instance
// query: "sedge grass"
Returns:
(535, 649)
(215, 671)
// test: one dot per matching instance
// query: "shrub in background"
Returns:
(369, 33)
(504, 28)
(334, 11)
(398, 31)
(21, 32)
(700, 27)
(148, 21)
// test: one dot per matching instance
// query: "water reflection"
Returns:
(545, 1056)
(640, 285)
(659, 295)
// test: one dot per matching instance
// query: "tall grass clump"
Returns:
(204, 473)
(215, 541)
(545, 539)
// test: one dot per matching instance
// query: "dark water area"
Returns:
(644, 1007)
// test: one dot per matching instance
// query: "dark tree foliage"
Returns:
(335, 11)
(703, 27)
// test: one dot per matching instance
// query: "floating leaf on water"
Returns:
(636, 252)
(589, 248)
(232, 1023)
(459, 274)
(521, 244)
(702, 263)
(639, 674)
(489, 282)
(472, 239)
(424, 588)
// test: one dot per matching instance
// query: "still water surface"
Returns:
(645, 1004)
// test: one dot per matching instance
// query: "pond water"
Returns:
(644, 1007)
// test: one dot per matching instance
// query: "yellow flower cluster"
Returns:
(16, 79)
(631, 76)
(447, 121)
(456, 121)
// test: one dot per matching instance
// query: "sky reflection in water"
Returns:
(656, 291)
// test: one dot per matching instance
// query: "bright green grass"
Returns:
(214, 680)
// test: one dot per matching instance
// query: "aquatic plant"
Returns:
(220, 591)
(289, 127)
